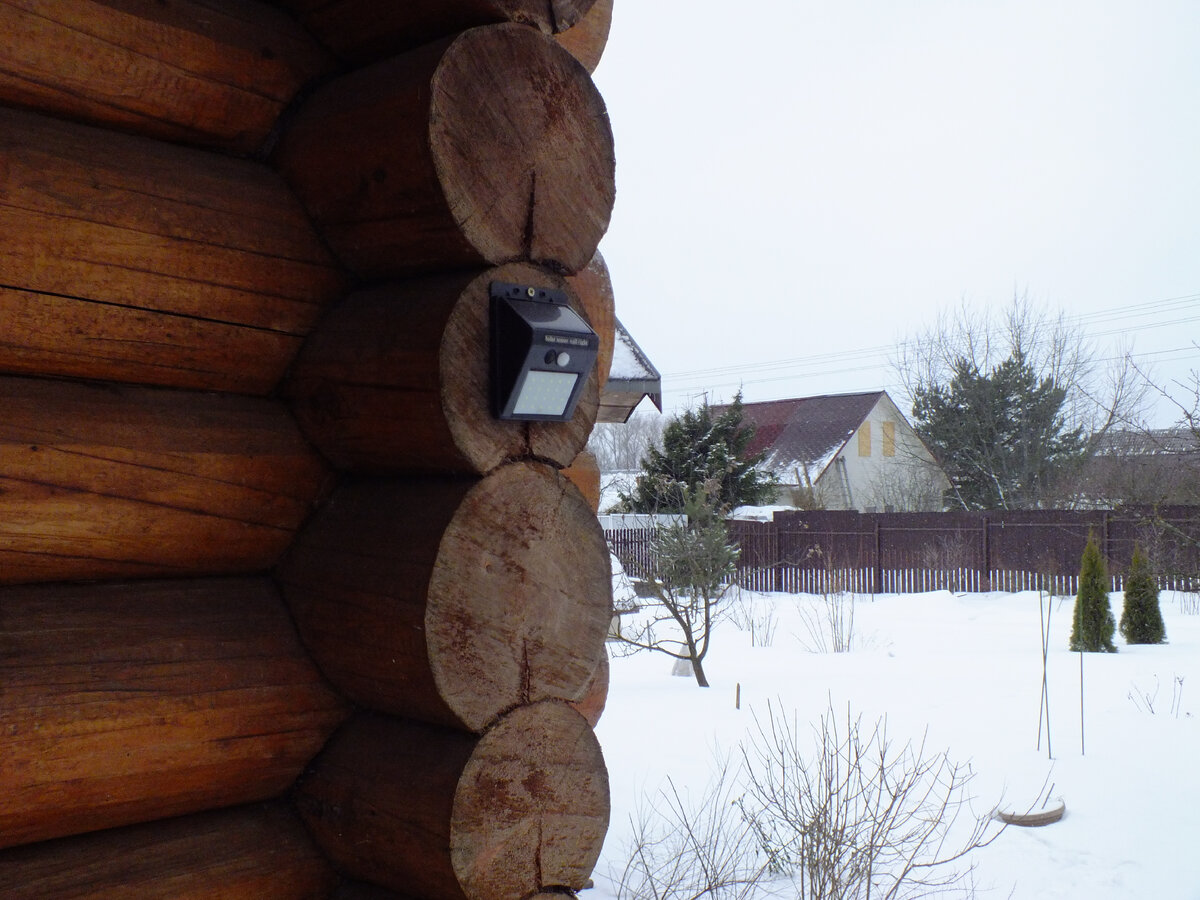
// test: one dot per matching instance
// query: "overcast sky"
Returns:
(801, 185)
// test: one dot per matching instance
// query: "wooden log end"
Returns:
(595, 694)
(454, 601)
(532, 806)
(396, 378)
(431, 812)
(558, 190)
(584, 473)
(526, 620)
(593, 285)
(587, 38)
(488, 148)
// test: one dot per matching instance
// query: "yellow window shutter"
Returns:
(864, 439)
(889, 438)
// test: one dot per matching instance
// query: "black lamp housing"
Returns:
(542, 353)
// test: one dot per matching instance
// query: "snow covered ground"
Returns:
(967, 667)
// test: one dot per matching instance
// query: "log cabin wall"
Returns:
(251, 497)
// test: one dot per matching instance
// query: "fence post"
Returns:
(877, 565)
(775, 561)
(985, 554)
(1108, 561)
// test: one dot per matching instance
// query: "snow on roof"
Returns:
(631, 378)
(629, 362)
(806, 433)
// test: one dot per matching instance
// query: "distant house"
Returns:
(1152, 466)
(631, 379)
(846, 451)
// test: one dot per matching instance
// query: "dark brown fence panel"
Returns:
(823, 551)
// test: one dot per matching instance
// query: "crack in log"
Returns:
(526, 674)
(529, 226)
(149, 310)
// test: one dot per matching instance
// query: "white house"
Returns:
(846, 451)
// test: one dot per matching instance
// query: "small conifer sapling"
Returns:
(1093, 626)
(1141, 617)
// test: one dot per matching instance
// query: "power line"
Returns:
(879, 356)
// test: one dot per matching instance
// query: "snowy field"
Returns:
(968, 669)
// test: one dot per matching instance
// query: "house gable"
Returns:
(845, 451)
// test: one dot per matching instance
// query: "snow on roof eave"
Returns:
(830, 455)
(630, 363)
(818, 465)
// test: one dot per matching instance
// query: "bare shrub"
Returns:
(829, 623)
(685, 849)
(854, 817)
(858, 816)
(759, 618)
(953, 555)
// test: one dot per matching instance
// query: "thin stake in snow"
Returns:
(1044, 701)
(1082, 751)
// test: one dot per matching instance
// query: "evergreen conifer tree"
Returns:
(1141, 617)
(700, 451)
(1093, 626)
(1001, 436)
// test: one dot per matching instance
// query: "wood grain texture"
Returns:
(130, 702)
(593, 285)
(584, 473)
(127, 259)
(434, 813)
(260, 852)
(595, 696)
(208, 72)
(362, 31)
(396, 379)
(101, 481)
(489, 148)
(587, 38)
(452, 601)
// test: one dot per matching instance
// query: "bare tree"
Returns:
(694, 567)
(1098, 395)
(619, 447)
(913, 484)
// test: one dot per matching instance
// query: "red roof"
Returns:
(805, 430)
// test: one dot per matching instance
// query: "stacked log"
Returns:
(112, 481)
(593, 285)
(173, 464)
(490, 147)
(260, 852)
(456, 585)
(362, 31)
(192, 71)
(432, 812)
(477, 597)
(126, 703)
(584, 473)
(587, 38)
(396, 379)
(126, 259)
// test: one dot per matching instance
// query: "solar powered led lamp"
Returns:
(542, 353)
